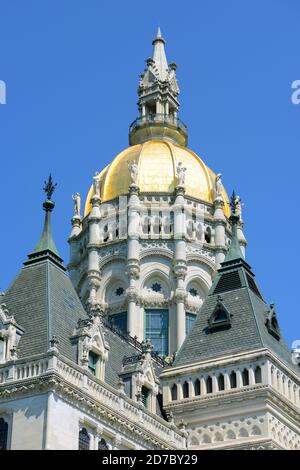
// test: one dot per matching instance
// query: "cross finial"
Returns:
(49, 187)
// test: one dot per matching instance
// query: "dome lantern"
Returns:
(158, 101)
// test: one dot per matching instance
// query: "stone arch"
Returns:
(157, 276)
(218, 437)
(243, 432)
(255, 431)
(113, 272)
(206, 439)
(230, 434)
(194, 441)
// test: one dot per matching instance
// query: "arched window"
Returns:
(221, 382)
(174, 392)
(257, 374)
(157, 330)
(185, 390)
(105, 234)
(233, 381)
(197, 387)
(209, 385)
(146, 396)
(245, 377)
(102, 445)
(93, 362)
(3, 434)
(208, 235)
(84, 440)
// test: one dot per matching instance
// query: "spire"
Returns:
(234, 252)
(46, 247)
(234, 257)
(158, 103)
(159, 55)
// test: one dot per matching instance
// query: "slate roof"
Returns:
(235, 287)
(44, 302)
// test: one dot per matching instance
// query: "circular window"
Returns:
(193, 292)
(156, 287)
(119, 291)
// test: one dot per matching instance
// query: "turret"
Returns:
(158, 101)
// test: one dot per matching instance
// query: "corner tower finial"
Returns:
(158, 101)
(46, 248)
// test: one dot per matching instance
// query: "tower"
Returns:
(234, 382)
(155, 226)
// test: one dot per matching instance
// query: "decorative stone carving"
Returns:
(96, 184)
(77, 204)
(181, 170)
(133, 171)
(218, 186)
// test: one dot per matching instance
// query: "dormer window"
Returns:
(220, 318)
(146, 396)
(93, 362)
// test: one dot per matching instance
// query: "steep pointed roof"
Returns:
(159, 55)
(43, 299)
(46, 248)
(245, 325)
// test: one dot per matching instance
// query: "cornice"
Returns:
(53, 382)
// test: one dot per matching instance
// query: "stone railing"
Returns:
(115, 402)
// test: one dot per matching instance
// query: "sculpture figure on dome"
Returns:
(96, 184)
(133, 170)
(77, 204)
(181, 174)
(218, 186)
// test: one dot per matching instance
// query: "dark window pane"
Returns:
(84, 440)
(157, 330)
(189, 320)
(120, 321)
(3, 434)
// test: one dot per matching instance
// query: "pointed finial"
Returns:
(49, 187)
(158, 35)
(233, 203)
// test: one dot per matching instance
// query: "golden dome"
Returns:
(157, 161)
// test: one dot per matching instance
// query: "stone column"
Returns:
(220, 228)
(133, 256)
(241, 237)
(179, 264)
(93, 273)
(215, 385)
(74, 245)
(227, 381)
(203, 386)
(251, 376)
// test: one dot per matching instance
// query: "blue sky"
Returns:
(71, 69)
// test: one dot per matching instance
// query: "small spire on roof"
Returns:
(46, 245)
(234, 252)
(158, 35)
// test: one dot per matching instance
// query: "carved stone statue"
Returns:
(96, 184)
(238, 206)
(133, 170)
(181, 174)
(77, 203)
(218, 185)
